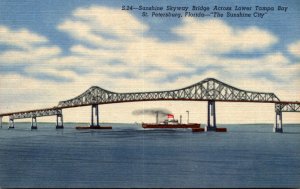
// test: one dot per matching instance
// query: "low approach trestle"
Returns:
(33, 115)
(59, 117)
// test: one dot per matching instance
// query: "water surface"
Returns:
(128, 156)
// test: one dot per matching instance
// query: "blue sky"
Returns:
(55, 50)
(43, 16)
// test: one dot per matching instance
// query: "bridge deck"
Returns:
(294, 104)
(209, 89)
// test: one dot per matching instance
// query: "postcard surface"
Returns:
(149, 93)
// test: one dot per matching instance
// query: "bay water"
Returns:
(248, 155)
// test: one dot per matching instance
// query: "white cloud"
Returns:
(294, 48)
(273, 64)
(215, 36)
(96, 54)
(29, 56)
(112, 50)
(21, 38)
(111, 21)
(31, 50)
(52, 72)
(21, 93)
(94, 24)
(135, 51)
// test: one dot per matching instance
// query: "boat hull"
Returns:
(168, 126)
(198, 129)
(93, 127)
(221, 129)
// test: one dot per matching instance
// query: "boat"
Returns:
(170, 123)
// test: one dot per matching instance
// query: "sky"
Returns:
(55, 50)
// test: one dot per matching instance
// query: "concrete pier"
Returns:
(95, 112)
(11, 123)
(33, 123)
(211, 113)
(59, 121)
(278, 122)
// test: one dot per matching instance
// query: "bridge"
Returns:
(210, 90)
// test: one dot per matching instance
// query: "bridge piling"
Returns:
(211, 112)
(92, 116)
(0, 121)
(59, 121)
(95, 113)
(33, 123)
(11, 123)
(278, 122)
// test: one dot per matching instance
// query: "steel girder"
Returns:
(37, 113)
(208, 89)
(287, 107)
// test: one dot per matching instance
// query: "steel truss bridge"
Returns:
(210, 90)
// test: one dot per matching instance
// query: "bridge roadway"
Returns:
(210, 90)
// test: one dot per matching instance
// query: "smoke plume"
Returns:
(161, 112)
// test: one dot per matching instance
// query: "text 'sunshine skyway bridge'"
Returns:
(210, 90)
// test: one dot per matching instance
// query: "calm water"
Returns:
(127, 156)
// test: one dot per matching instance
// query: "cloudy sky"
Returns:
(55, 50)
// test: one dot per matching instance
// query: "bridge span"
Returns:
(210, 90)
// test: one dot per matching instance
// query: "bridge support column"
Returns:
(95, 113)
(11, 123)
(33, 123)
(211, 112)
(278, 122)
(59, 121)
(0, 121)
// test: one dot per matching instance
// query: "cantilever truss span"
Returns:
(206, 90)
(287, 107)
